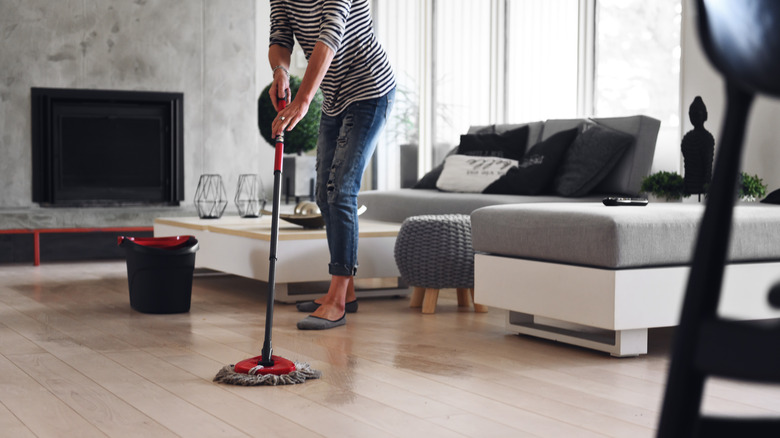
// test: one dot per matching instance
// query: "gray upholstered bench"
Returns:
(599, 276)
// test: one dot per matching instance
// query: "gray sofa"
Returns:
(624, 179)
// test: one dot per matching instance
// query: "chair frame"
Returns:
(704, 343)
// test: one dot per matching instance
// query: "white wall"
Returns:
(762, 147)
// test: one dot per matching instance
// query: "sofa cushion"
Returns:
(537, 169)
(591, 234)
(397, 205)
(534, 129)
(510, 144)
(626, 177)
(590, 158)
(469, 174)
(554, 126)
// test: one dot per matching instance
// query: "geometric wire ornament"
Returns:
(210, 197)
(250, 196)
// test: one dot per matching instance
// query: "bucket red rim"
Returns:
(169, 242)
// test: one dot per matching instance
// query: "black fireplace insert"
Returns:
(107, 147)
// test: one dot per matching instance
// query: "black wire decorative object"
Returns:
(210, 197)
(250, 196)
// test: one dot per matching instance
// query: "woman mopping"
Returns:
(350, 67)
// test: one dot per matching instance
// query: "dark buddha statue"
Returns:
(698, 148)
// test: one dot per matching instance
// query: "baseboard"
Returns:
(41, 246)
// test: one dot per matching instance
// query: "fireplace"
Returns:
(107, 148)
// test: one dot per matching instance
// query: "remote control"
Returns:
(613, 201)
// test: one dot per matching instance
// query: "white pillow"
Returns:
(471, 174)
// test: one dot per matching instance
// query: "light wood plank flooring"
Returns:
(77, 361)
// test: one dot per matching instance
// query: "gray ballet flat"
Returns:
(316, 323)
(311, 306)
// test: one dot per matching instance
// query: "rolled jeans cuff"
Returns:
(342, 270)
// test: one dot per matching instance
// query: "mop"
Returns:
(268, 369)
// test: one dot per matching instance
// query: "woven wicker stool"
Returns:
(434, 252)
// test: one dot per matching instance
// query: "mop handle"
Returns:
(266, 359)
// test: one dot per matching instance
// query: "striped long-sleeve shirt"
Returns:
(359, 70)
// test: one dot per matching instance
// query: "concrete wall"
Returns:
(762, 148)
(208, 49)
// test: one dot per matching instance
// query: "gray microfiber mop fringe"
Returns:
(302, 372)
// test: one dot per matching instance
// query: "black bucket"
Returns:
(159, 272)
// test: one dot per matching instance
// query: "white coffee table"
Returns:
(241, 246)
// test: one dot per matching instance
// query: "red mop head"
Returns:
(249, 372)
(252, 366)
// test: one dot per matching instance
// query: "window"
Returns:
(638, 66)
(462, 68)
(461, 63)
(401, 31)
(542, 59)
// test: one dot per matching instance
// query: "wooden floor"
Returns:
(77, 361)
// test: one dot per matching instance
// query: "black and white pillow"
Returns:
(486, 142)
(470, 174)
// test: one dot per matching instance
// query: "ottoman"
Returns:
(434, 252)
(599, 277)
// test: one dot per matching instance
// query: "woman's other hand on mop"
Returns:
(287, 118)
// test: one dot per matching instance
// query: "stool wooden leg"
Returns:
(417, 297)
(479, 308)
(429, 303)
(464, 298)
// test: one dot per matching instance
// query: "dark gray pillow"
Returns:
(589, 160)
(772, 198)
(538, 168)
(428, 181)
(510, 144)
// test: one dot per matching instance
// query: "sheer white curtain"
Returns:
(542, 59)
(462, 68)
(472, 62)
(476, 62)
(638, 67)
(401, 28)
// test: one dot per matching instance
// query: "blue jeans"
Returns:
(345, 145)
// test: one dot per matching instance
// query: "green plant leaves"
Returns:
(751, 186)
(303, 137)
(664, 184)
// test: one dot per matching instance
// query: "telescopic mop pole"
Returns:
(268, 369)
(266, 358)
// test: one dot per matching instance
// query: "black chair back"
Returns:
(742, 40)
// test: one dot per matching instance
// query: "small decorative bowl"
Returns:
(307, 215)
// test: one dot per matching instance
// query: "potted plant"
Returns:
(751, 187)
(299, 168)
(664, 185)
